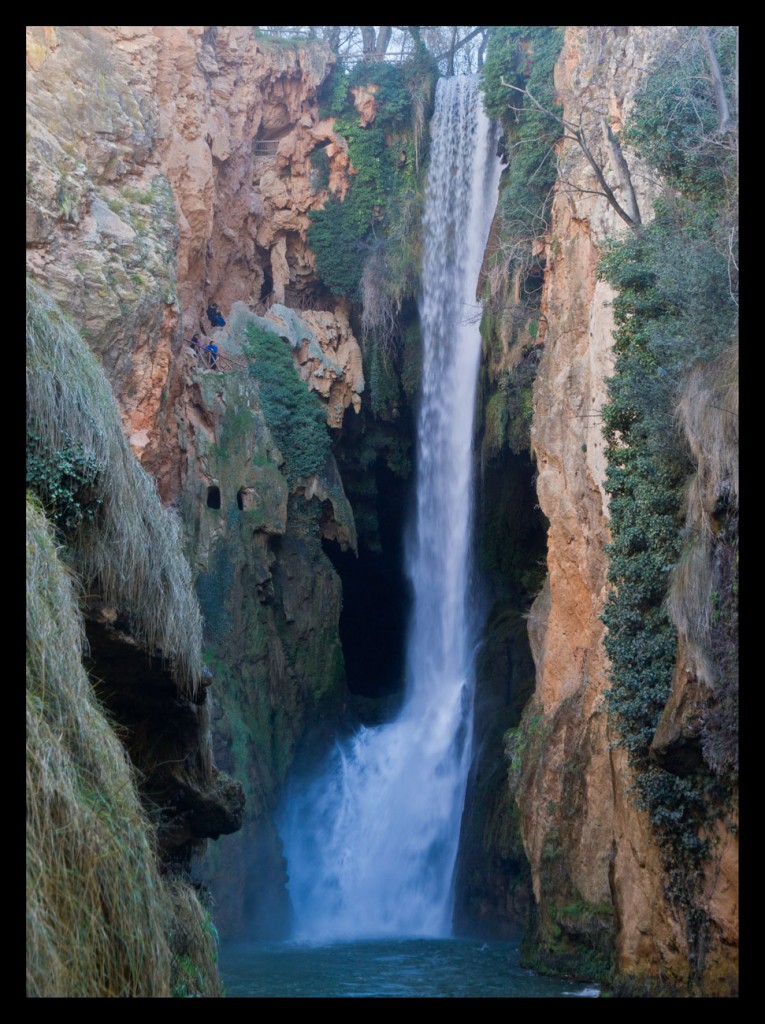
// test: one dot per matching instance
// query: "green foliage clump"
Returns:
(676, 315)
(332, 94)
(673, 281)
(369, 245)
(293, 413)
(339, 232)
(385, 157)
(63, 480)
(675, 123)
(666, 324)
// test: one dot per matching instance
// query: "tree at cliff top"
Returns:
(677, 318)
(457, 49)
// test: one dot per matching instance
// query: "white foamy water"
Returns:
(371, 844)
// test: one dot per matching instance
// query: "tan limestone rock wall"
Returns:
(365, 102)
(146, 200)
(608, 850)
(328, 358)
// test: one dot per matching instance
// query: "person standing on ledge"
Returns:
(212, 355)
(215, 316)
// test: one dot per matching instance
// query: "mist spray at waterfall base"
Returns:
(371, 844)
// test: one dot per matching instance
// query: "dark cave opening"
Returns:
(376, 597)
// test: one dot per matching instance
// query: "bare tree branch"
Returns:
(576, 133)
(727, 122)
(622, 172)
(453, 48)
(368, 36)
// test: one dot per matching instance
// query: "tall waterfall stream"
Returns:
(371, 844)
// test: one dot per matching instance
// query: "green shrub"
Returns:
(344, 233)
(676, 314)
(524, 56)
(674, 125)
(294, 414)
(64, 481)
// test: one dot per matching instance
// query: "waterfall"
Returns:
(371, 844)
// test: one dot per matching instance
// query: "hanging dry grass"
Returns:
(708, 413)
(194, 944)
(97, 912)
(381, 306)
(131, 551)
(101, 921)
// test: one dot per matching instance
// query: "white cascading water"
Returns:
(371, 844)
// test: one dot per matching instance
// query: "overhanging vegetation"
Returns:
(119, 539)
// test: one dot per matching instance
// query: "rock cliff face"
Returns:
(167, 167)
(587, 842)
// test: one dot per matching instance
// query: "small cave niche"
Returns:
(533, 282)
(213, 497)
(240, 499)
(268, 285)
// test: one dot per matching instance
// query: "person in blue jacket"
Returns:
(212, 355)
(215, 316)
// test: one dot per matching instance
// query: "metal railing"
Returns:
(284, 31)
(211, 361)
(265, 147)
(350, 59)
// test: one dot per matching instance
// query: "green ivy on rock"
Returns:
(675, 311)
(64, 481)
(294, 414)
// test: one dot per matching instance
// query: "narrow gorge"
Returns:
(411, 611)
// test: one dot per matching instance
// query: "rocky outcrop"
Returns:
(271, 603)
(327, 354)
(324, 348)
(579, 819)
(169, 166)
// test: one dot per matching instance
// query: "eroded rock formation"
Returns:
(167, 167)
(170, 166)
(586, 839)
